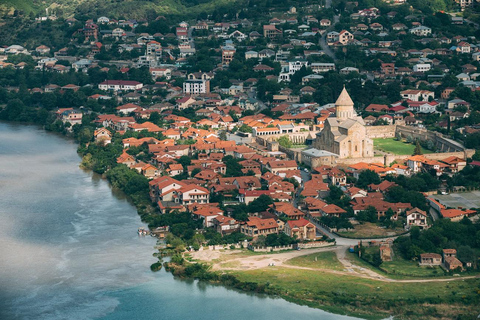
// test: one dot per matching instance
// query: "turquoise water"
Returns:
(69, 248)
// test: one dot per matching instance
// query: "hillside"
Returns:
(134, 8)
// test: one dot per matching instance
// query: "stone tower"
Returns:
(344, 106)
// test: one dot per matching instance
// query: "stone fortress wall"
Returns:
(446, 146)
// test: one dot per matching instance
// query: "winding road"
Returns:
(220, 261)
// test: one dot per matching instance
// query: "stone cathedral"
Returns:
(345, 134)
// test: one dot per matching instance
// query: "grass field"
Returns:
(370, 230)
(396, 147)
(400, 266)
(321, 260)
(370, 298)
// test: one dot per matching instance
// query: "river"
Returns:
(69, 248)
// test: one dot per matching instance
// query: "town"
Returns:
(326, 126)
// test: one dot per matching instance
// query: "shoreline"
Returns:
(275, 281)
(240, 279)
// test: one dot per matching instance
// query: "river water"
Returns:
(69, 248)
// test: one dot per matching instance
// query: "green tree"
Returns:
(260, 204)
(368, 215)
(285, 142)
(418, 149)
(245, 128)
(184, 161)
(367, 177)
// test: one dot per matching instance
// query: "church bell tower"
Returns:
(344, 106)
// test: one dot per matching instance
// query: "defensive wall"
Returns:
(374, 132)
(442, 143)
(446, 146)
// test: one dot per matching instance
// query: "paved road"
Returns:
(323, 40)
(434, 214)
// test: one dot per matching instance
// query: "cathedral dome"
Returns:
(344, 99)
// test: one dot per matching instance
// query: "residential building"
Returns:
(256, 226)
(120, 85)
(301, 229)
(416, 217)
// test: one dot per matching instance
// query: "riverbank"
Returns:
(337, 291)
(328, 279)
(89, 262)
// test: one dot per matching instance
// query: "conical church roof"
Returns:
(344, 99)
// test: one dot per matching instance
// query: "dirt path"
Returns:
(222, 260)
(262, 261)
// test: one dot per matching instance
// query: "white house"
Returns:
(161, 73)
(318, 67)
(251, 55)
(417, 95)
(422, 67)
(120, 85)
(294, 66)
(421, 31)
(416, 217)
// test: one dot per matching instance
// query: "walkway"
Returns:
(253, 262)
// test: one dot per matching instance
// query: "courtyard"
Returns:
(396, 147)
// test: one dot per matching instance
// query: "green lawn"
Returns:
(396, 147)
(321, 260)
(369, 298)
(400, 266)
(370, 230)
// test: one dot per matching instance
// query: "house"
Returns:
(271, 32)
(281, 165)
(454, 163)
(120, 85)
(149, 171)
(184, 102)
(315, 188)
(430, 259)
(174, 169)
(383, 186)
(417, 95)
(377, 108)
(452, 263)
(421, 31)
(148, 126)
(450, 259)
(225, 225)
(422, 67)
(416, 217)
(197, 84)
(456, 214)
(256, 226)
(126, 159)
(286, 210)
(380, 205)
(42, 50)
(247, 196)
(301, 229)
(69, 115)
(190, 194)
(102, 136)
(318, 67)
(207, 214)
(127, 108)
(463, 47)
(247, 182)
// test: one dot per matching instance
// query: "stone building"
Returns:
(345, 134)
